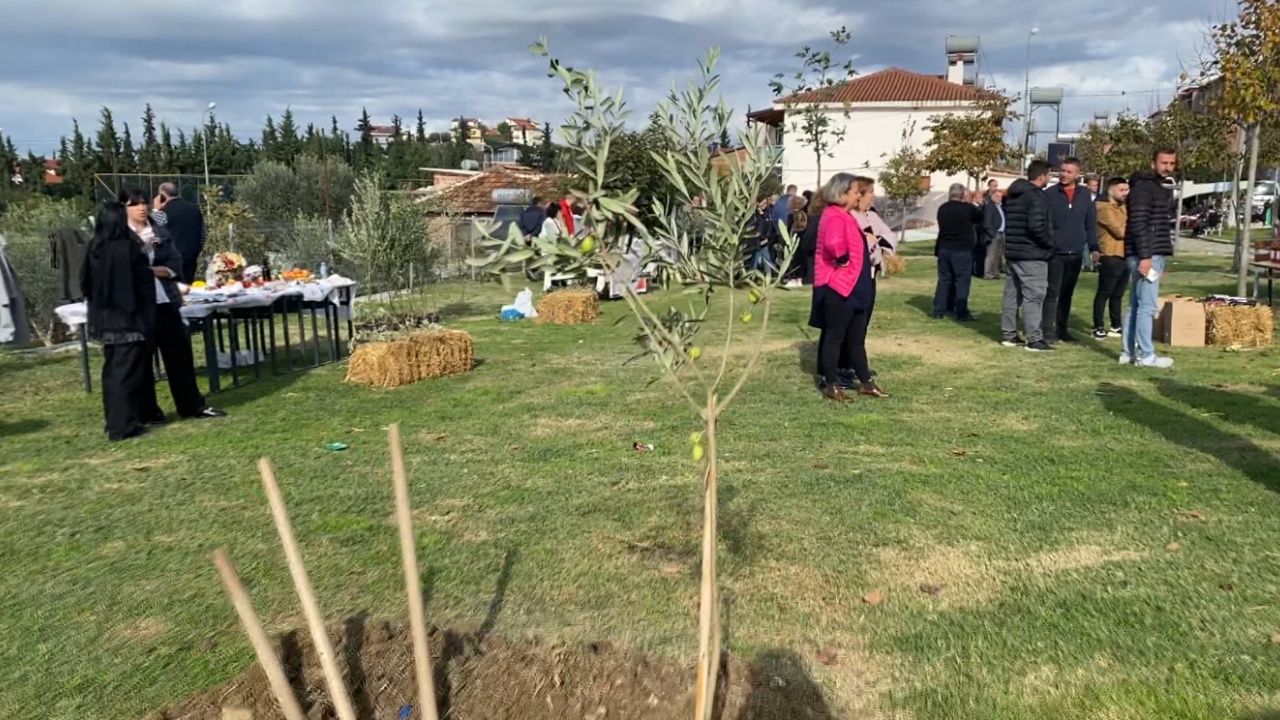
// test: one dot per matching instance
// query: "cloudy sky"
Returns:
(66, 58)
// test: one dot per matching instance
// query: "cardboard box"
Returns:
(1181, 322)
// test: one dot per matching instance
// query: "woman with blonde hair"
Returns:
(843, 289)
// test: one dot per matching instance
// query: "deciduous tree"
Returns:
(969, 143)
(902, 179)
(1245, 60)
(809, 97)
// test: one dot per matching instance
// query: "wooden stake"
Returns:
(258, 637)
(413, 584)
(315, 621)
(708, 670)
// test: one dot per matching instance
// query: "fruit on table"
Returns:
(296, 274)
(198, 284)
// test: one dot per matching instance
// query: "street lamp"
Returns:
(1026, 96)
(208, 114)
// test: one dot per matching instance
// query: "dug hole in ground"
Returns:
(481, 676)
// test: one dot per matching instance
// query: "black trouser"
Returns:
(844, 330)
(1113, 279)
(173, 342)
(1064, 273)
(126, 373)
(955, 274)
(846, 362)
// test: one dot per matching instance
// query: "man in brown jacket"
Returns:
(1113, 274)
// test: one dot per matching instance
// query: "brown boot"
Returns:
(836, 394)
(872, 390)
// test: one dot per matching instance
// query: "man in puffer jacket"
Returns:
(1148, 244)
(1028, 246)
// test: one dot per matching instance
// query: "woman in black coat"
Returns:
(119, 290)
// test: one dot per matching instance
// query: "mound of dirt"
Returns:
(487, 678)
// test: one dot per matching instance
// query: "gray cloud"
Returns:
(66, 58)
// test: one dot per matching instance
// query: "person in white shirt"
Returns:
(553, 226)
(169, 335)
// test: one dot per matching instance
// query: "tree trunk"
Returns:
(1242, 278)
(1234, 211)
(818, 157)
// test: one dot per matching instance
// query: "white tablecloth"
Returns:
(202, 304)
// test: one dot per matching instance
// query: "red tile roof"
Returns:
(523, 124)
(474, 195)
(892, 85)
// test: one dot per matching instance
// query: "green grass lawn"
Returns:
(1039, 492)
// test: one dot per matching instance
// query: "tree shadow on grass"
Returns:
(1194, 433)
(987, 323)
(22, 427)
(782, 689)
(1239, 408)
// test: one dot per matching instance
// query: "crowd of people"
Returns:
(144, 252)
(1051, 232)
(1037, 236)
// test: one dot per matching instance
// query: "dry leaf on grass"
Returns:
(1275, 638)
(875, 597)
(819, 465)
(1191, 515)
(1226, 587)
(931, 589)
(1173, 547)
(828, 656)
(959, 453)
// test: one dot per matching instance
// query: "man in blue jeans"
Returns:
(1148, 243)
(958, 221)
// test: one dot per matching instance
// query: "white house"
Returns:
(880, 108)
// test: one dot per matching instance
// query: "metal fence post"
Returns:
(231, 236)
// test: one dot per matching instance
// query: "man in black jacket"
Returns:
(958, 220)
(1028, 245)
(530, 222)
(1075, 227)
(1148, 244)
(186, 228)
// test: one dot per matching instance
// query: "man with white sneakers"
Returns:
(1148, 244)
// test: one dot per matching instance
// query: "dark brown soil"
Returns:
(491, 679)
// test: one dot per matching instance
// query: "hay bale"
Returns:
(442, 352)
(894, 264)
(1245, 326)
(384, 364)
(574, 306)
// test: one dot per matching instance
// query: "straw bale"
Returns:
(442, 352)
(1245, 326)
(384, 364)
(894, 264)
(574, 306)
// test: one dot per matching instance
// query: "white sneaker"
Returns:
(1115, 333)
(1126, 358)
(1157, 362)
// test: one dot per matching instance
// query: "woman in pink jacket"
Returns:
(844, 291)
